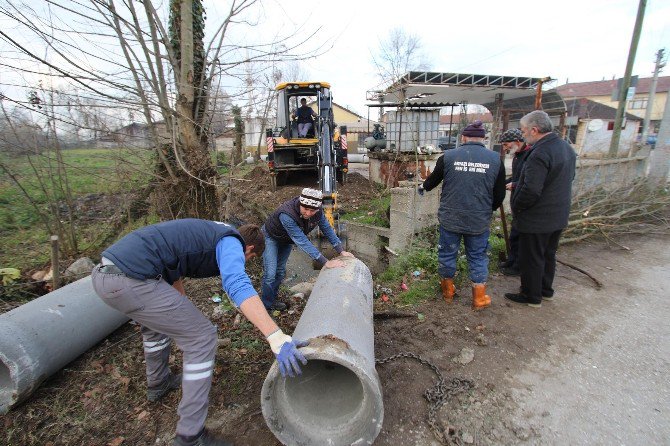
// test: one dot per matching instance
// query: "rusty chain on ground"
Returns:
(437, 396)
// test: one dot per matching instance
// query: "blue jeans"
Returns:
(475, 250)
(275, 257)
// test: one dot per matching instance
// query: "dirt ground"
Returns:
(256, 184)
(516, 353)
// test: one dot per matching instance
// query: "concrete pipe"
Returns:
(358, 158)
(338, 398)
(37, 339)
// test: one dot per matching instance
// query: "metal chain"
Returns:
(437, 396)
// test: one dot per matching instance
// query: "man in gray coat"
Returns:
(541, 206)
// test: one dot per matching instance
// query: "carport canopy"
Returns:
(432, 89)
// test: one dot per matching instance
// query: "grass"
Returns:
(23, 239)
(417, 267)
(373, 212)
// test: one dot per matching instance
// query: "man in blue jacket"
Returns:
(289, 225)
(473, 186)
(541, 206)
(141, 276)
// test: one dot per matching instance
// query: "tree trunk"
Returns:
(195, 194)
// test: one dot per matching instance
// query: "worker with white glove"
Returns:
(141, 276)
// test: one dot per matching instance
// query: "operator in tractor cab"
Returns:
(305, 116)
(289, 225)
(473, 186)
(141, 276)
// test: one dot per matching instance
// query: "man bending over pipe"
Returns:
(141, 276)
(289, 225)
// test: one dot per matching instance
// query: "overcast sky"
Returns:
(579, 40)
(583, 40)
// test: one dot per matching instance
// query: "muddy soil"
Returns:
(253, 199)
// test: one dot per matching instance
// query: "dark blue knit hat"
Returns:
(475, 130)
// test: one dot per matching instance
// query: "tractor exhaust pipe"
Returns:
(338, 398)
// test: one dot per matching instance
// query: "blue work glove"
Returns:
(420, 189)
(287, 353)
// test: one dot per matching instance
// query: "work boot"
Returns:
(204, 439)
(448, 289)
(278, 306)
(171, 382)
(480, 299)
(521, 298)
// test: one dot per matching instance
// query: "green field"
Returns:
(23, 237)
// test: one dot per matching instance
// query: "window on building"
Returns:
(638, 103)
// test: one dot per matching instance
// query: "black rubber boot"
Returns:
(204, 439)
(172, 382)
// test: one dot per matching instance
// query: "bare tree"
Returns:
(399, 53)
(133, 58)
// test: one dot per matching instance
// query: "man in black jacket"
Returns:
(541, 206)
(512, 142)
(473, 186)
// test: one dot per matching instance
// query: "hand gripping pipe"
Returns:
(338, 398)
(37, 339)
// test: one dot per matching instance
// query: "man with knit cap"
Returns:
(289, 225)
(473, 186)
(513, 142)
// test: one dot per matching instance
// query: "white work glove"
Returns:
(287, 353)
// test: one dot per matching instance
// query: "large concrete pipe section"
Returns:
(40, 337)
(358, 158)
(338, 398)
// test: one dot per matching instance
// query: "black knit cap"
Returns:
(475, 130)
(511, 135)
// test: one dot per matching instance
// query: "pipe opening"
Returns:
(7, 387)
(325, 395)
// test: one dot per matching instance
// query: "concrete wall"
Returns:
(608, 173)
(410, 213)
(368, 243)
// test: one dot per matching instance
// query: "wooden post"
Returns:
(55, 272)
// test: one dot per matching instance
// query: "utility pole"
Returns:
(659, 159)
(616, 135)
(652, 92)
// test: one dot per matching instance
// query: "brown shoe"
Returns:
(480, 299)
(448, 289)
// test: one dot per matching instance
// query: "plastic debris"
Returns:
(216, 298)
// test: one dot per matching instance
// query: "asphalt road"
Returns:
(608, 382)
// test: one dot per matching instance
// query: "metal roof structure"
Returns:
(552, 103)
(432, 89)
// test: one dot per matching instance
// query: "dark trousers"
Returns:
(537, 262)
(513, 257)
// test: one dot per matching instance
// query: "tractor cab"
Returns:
(291, 96)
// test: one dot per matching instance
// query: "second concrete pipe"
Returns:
(338, 398)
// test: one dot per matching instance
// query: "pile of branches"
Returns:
(634, 209)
